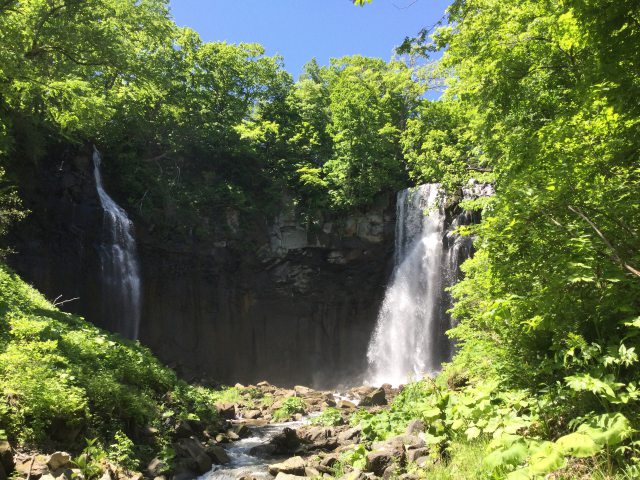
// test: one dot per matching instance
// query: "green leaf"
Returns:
(610, 429)
(578, 444)
(546, 459)
(472, 432)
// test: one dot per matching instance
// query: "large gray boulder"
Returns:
(292, 466)
(374, 398)
(287, 476)
(191, 448)
(379, 461)
(6, 457)
(58, 460)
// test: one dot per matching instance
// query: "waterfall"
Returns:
(409, 341)
(119, 264)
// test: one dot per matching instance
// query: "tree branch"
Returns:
(479, 169)
(609, 245)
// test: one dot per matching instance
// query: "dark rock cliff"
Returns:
(299, 308)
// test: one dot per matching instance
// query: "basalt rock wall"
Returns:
(298, 307)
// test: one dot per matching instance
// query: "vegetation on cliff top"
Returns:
(192, 129)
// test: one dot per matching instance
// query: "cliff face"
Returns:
(299, 308)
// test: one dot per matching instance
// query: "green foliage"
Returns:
(290, 407)
(121, 452)
(330, 417)
(356, 456)
(90, 460)
(60, 374)
(463, 460)
(11, 209)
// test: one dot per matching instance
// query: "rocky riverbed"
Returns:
(264, 432)
(303, 446)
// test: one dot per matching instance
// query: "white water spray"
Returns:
(409, 341)
(401, 344)
(119, 263)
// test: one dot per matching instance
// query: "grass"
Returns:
(464, 461)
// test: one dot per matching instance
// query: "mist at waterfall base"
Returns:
(409, 341)
(120, 275)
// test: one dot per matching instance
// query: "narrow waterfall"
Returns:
(409, 341)
(119, 264)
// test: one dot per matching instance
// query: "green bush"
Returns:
(63, 380)
(330, 417)
(290, 407)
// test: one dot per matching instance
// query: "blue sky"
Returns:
(302, 29)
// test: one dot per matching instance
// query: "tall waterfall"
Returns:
(409, 340)
(119, 263)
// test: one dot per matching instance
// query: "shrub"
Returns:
(290, 407)
(330, 417)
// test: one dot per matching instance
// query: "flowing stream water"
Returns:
(242, 463)
(119, 263)
(409, 340)
(245, 463)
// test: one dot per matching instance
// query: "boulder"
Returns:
(423, 461)
(374, 398)
(399, 443)
(379, 461)
(217, 454)
(391, 451)
(301, 390)
(287, 476)
(154, 468)
(286, 442)
(346, 404)
(352, 435)
(354, 475)
(312, 472)
(362, 391)
(58, 460)
(36, 465)
(415, 454)
(263, 451)
(391, 472)
(328, 402)
(184, 469)
(226, 410)
(241, 430)
(415, 426)
(293, 466)
(318, 438)
(316, 434)
(182, 430)
(193, 449)
(252, 414)
(6, 457)
(329, 460)
(408, 476)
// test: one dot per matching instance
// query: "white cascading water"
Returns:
(119, 263)
(409, 340)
